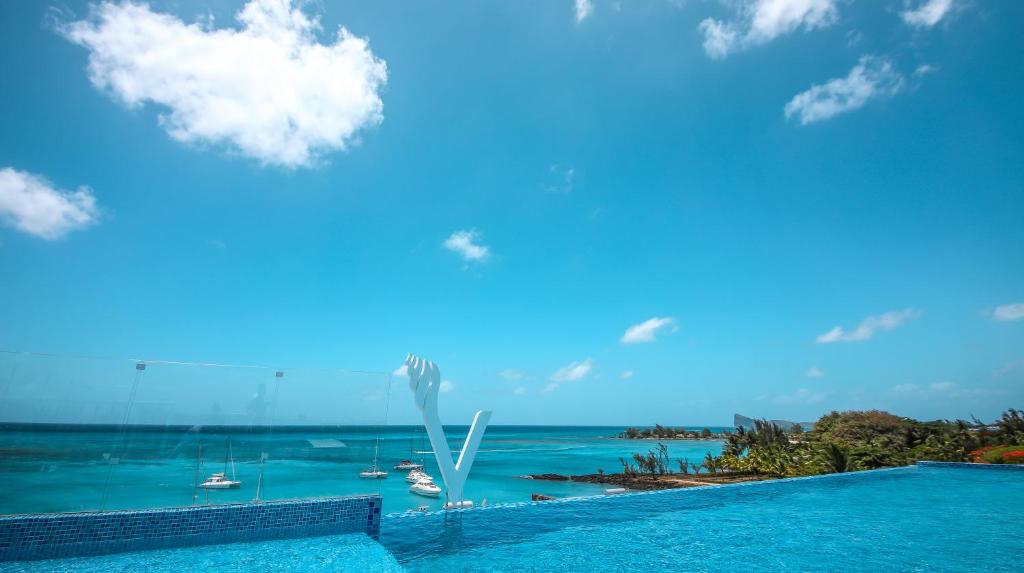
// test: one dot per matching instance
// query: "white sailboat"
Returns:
(374, 472)
(220, 480)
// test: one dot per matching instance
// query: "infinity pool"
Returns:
(906, 519)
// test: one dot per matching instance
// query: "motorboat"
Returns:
(408, 465)
(425, 487)
(415, 476)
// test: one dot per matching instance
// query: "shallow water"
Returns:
(70, 469)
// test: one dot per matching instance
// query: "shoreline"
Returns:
(656, 482)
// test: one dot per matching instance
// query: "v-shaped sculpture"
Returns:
(425, 381)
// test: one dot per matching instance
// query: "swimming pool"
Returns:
(906, 519)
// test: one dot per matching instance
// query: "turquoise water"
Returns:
(68, 468)
(908, 519)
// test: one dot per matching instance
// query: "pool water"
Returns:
(906, 519)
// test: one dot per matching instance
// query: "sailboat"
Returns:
(374, 472)
(219, 480)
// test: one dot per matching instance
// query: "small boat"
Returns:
(415, 476)
(373, 473)
(220, 480)
(408, 465)
(425, 487)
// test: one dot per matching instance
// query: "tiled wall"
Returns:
(972, 466)
(45, 536)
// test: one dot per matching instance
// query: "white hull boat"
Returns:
(373, 473)
(408, 465)
(219, 481)
(415, 476)
(425, 487)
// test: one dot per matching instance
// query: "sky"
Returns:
(586, 212)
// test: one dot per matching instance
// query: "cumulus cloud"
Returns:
(869, 326)
(467, 245)
(584, 9)
(814, 372)
(626, 374)
(446, 386)
(519, 391)
(646, 330)
(760, 21)
(1009, 312)
(574, 372)
(927, 13)
(31, 204)
(268, 89)
(400, 371)
(871, 78)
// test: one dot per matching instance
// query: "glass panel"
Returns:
(79, 434)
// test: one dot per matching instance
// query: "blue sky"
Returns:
(590, 212)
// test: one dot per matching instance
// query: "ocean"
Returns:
(59, 467)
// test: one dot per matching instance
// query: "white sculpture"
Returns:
(424, 381)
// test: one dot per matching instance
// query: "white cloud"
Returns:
(562, 180)
(871, 78)
(626, 374)
(512, 374)
(401, 370)
(1008, 368)
(584, 9)
(801, 396)
(269, 89)
(928, 13)
(31, 204)
(938, 390)
(446, 386)
(1008, 312)
(814, 372)
(646, 330)
(924, 70)
(760, 21)
(869, 326)
(466, 244)
(519, 391)
(905, 389)
(574, 372)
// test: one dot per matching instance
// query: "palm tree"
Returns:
(833, 458)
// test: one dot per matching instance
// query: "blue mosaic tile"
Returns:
(43, 536)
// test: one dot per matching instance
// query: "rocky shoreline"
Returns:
(648, 482)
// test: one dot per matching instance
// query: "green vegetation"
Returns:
(659, 432)
(841, 442)
(850, 441)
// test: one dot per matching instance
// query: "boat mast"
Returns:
(232, 457)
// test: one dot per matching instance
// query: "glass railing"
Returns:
(85, 433)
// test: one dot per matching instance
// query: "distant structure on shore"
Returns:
(741, 421)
